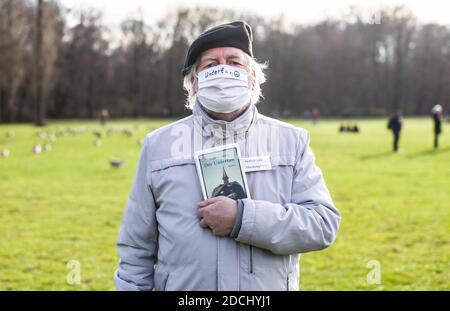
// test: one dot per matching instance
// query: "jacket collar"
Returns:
(223, 130)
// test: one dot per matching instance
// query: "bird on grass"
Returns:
(10, 134)
(47, 148)
(98, 134)
(127, 132)
(97, 143)
(69, 132)
(5, 153)
(41, 134)
(115, 163)
(60, 133)
(52, 137)
(37, 149)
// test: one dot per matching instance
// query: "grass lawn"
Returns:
(67, 204)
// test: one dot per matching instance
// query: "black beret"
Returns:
(236, 34)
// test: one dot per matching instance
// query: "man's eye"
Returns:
(208, 65)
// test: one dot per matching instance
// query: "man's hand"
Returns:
(219, 214)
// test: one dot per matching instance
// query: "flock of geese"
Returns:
(52, 136)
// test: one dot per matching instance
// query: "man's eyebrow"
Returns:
(231, 55)
(234, 55)
(205, 58)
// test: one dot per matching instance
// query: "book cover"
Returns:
(221, 173)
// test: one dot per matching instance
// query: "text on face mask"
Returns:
(222, 70)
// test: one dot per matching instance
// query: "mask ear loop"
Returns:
(250, 79)
(248, 71)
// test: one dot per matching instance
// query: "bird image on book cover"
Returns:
(221, 174)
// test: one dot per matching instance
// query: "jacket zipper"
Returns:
(288, 273)
(287, 283)
(251, 259)
(251, 248)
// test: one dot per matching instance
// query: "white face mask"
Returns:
(223, 88)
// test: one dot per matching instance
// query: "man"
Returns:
(436, 113)
(172, 239)
(395, 125)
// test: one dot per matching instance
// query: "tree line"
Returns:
(346, 66)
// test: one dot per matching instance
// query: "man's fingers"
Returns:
(200, 212)
(203, 223)
(202, 204)
(209, 201)
(204, 211)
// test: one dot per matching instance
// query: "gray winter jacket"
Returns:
(163, 247)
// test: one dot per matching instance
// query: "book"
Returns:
(221, 173)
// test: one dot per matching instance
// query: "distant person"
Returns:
(395, 125)
(315, 115)
(436, 113)
(103, 116)
(306, 114)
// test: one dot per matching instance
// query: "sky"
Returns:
(305, 12)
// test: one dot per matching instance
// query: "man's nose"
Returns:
(222, 61)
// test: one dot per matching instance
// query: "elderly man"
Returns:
(173, 239)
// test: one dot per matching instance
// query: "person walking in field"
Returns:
(395, 125)
(437, 114)
(171, 238)
(315, 115)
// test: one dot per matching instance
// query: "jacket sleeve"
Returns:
(310, 222)
(137, 241)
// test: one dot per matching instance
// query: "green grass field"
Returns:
(67, 204)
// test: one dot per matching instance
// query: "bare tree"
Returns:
(44, 56)
(40, 109)
(345, 65)
(13, 35)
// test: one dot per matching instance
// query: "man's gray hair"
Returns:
(190, 81)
